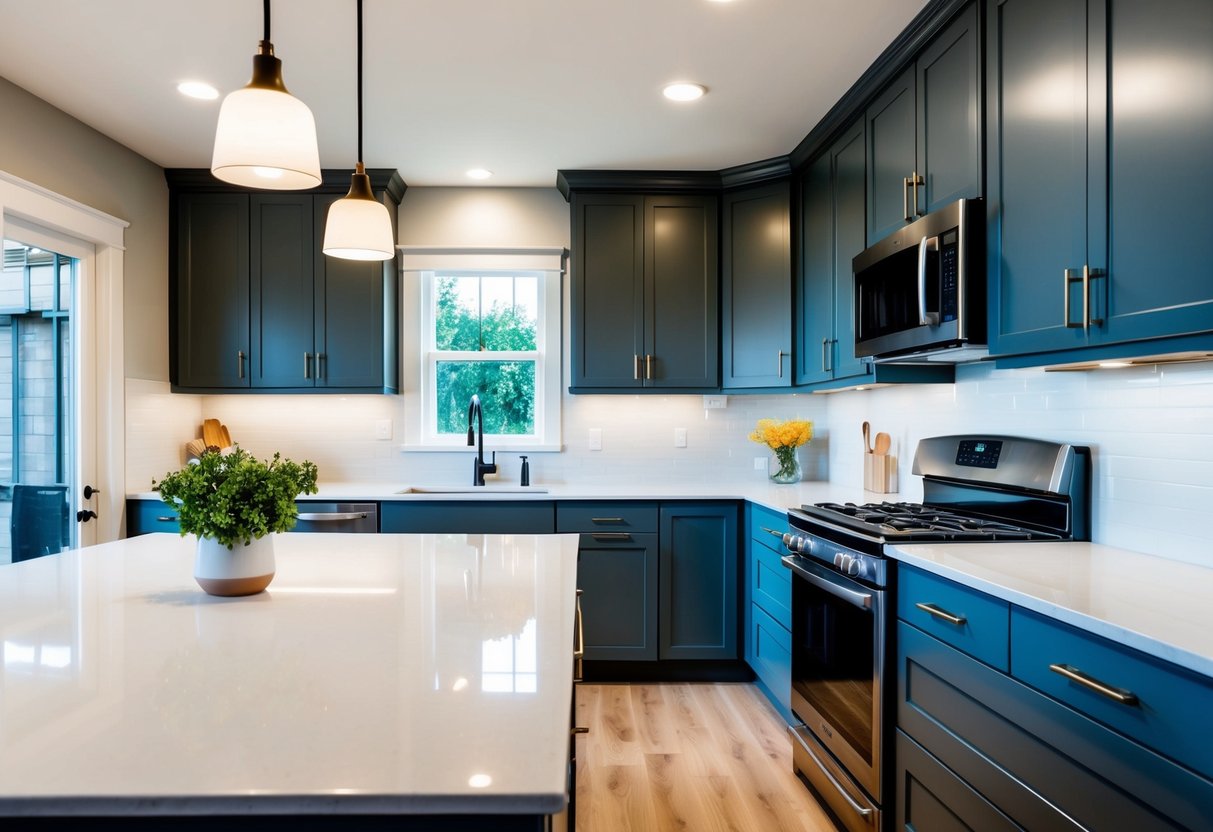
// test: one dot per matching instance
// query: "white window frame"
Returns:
(421, 267)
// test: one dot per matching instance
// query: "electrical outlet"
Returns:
(595, 439)
(760, 463)
(680, 437)
(383, 429)
(715, 402)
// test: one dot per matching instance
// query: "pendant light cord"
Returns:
(266, 6)
(359, 80)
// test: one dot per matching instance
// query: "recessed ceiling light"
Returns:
(479, 173)
(198, 89)
(683, 92)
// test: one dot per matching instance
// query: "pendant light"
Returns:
(266, 138)
(359, 226)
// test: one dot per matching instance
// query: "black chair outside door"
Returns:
(40, 521)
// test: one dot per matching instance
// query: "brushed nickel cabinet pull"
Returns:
(825, 348)
(610, 535)
(648, 367)
(606, 519)
(240, 364)
(1124, 697)
(164, 518)
(941, 613)
(636, 367)
(307, 365)
(779, 362)
(1087, 274)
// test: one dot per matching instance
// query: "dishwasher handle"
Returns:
(330, 517)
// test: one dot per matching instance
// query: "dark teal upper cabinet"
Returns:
(211, 290)
(756, 308)
(924, 131)
(644, 291)
(1099, 173)
(257, 305)
(832, 233)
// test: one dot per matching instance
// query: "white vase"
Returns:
(241, 570)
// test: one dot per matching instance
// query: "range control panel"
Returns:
(979, 453)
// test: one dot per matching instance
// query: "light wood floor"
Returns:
(687, 757)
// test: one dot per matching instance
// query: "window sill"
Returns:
(509, 448)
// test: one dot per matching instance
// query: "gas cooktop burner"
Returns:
(920, 522)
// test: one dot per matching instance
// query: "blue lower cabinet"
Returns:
(964, 618)
(770, 657)
(698, 581)
(618, 580)
(1038, 761)
(930, 798)
(146, 516)
(468, 516)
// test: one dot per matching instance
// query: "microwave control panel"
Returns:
(949, 268)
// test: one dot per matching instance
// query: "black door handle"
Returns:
(84, 515)
(89, 491)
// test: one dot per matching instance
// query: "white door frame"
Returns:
(101, 459)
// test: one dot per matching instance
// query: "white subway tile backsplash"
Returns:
(1150, 429)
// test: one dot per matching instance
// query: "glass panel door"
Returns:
(38, 403)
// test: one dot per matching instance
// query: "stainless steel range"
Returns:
(975, 488)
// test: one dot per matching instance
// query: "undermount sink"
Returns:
(472, 489)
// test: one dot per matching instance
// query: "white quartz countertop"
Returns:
(378, 674)
(757, 490)
(1159, 606)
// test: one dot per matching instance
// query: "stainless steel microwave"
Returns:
(920, 293)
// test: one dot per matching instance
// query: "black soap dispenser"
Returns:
(526, 471)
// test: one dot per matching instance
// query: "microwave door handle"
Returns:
(927, 244)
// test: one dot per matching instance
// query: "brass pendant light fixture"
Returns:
(266, 138)
(359, 226)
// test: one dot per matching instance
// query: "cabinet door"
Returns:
(891, 158)
(756, 317)
(949, 115)
(211, 291)
(619, 580)
(681, 319)
(349, 335)
(282, 301)
(698, 582)
(1037, 140)
(1160, 164)
(816, 295)
(849, 191)
(607, 290)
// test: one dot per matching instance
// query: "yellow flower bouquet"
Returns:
(783, 438)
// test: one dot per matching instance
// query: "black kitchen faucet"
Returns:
(476, 437)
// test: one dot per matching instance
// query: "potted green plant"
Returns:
(235, 503)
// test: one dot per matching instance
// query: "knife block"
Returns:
(879, 473)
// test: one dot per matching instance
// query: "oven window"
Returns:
(833, 663)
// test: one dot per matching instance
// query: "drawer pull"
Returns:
(958, 620)
(579, 643)
(1124, 697)
(606, 519)
(166, 519)
(610, 535)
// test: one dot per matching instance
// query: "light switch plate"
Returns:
(383, 429)
(760, 463)
(680, 437)
(595, 439)
(715, 402)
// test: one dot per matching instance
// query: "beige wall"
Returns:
(48, 147)
(484, 217)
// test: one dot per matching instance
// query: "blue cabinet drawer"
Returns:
(968, 620)
(771, 583)
(467, 516)
(772, 657)
(1160, 705)
(763, 518)
(589, 517)
(146, 516)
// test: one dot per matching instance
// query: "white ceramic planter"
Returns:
(241, 570)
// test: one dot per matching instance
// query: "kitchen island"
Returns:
(412, 681)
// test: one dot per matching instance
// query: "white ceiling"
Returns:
(521, 87)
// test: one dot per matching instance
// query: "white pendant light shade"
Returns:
(359, 226)
(266, 138)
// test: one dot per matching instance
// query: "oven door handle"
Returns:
(822, 579)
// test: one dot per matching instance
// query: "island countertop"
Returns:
(387, 674)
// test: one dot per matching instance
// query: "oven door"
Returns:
(838, 653)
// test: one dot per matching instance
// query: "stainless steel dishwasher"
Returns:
(337, 517)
